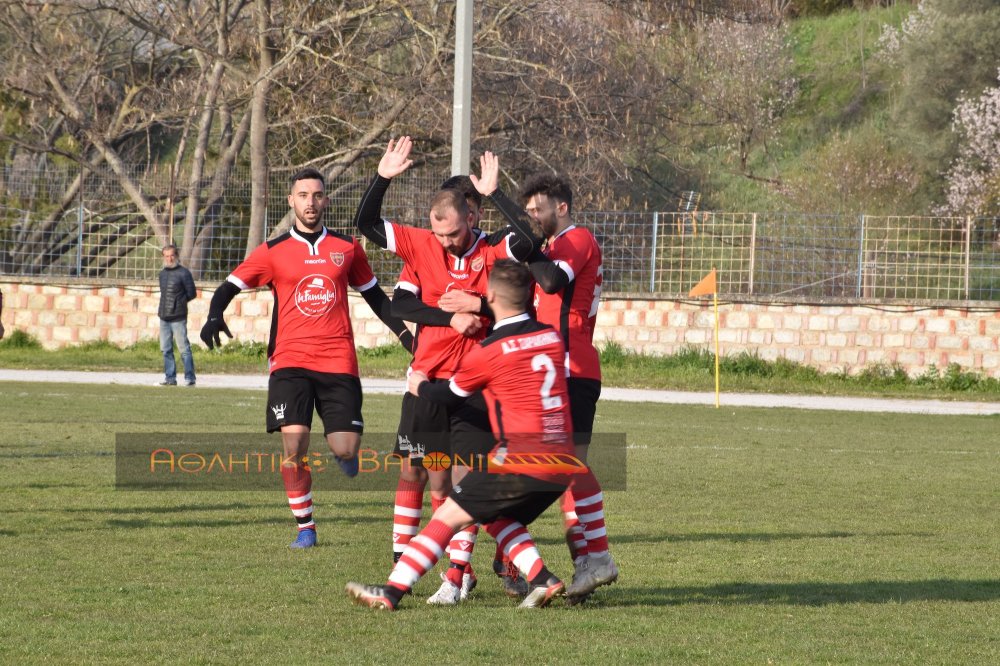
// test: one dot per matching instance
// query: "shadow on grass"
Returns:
(737, 537)
(809, 594)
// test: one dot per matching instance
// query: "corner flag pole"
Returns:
(715, 301)
(708, 286)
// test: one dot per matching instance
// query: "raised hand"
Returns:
(396, 159)
(489, 169)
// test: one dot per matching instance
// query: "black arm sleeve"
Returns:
(441, 393)
(223, 296)
(406, 305)
(523, 241)
(382, 307)
(548, 275)
(368, 219)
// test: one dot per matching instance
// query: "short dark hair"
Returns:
(511, 280)
(449, 198)
(554, 186)
(464, 185)
(308, 173)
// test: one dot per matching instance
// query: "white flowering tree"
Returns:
(974, 177)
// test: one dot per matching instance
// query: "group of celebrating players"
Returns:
(504, 372)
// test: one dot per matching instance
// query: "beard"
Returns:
(311, 223)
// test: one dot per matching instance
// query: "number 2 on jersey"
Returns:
(543, 362)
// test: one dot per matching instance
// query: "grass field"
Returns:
(744, 536)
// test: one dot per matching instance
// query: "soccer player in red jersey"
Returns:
(518, 368)
(446, 267)
(567, 294)
(311, 355)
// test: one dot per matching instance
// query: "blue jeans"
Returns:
(171, 331)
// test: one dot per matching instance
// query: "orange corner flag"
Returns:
(706, 286)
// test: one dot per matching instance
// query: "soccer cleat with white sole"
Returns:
(448, 594)
(540, 596)
(373, 596)
(594, 572)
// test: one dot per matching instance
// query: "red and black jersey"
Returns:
(311, 325)
(519, 369)
(429, 273)
(573, 309)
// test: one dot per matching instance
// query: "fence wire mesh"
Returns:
(58, 223)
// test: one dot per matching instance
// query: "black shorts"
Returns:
(293, 393)
(427, 427)
(423, 428)
(583, 396)
(486, 496)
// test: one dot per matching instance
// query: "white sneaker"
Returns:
(468, 585)
(448, 594)
(591, 574)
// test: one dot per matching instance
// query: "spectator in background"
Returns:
(176, 289)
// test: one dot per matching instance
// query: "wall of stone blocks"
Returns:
(830, 338)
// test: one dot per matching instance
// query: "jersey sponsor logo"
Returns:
(337, 258)
(315, 261)
(477, 264)
(459, 276)
(315, 295)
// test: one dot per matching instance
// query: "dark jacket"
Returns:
(176, 289)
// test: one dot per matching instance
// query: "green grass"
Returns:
(691, 369)
(744, 536)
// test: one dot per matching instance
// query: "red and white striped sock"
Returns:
(436, 501)
(298, 488)
(460, 554)
(517, 545)
(589, 501)
(421, 555)
(574, 531)
(406, 515)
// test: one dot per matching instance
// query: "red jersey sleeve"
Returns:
(574, 252)
(255, 271)
(361, 276)
(404, 240)
(472, 373)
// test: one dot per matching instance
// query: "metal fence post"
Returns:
(968, 253)
(861, 256)
(79, 228)
(753, 248)
(652, 254)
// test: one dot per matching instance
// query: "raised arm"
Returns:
(368, 219)
(522, 242)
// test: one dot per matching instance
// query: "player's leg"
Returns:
(419, 557)
(524, 498)
(471, 439)
(593, 563)
(289, 411)
(420, 432)
(338, 402)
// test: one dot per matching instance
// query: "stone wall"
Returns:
(830, 338)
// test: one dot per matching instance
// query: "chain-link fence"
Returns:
(57, 223)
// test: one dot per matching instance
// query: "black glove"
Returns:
(210, 331)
